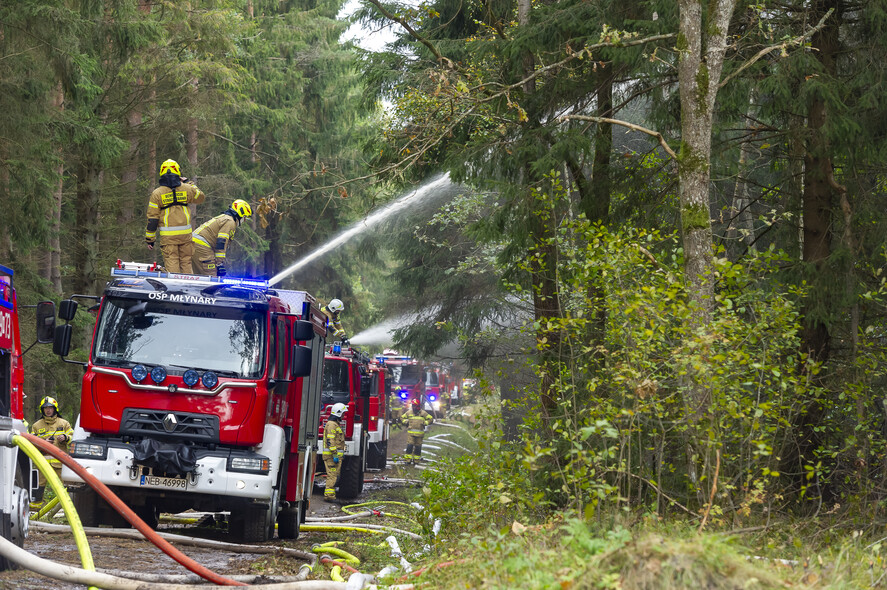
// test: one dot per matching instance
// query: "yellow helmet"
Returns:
(242, 208)
(49, 401)
(170, 166)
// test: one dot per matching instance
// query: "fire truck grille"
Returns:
(163, 423)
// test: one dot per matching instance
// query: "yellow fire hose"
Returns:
(47, 507)
(62, 496)
(346, 557)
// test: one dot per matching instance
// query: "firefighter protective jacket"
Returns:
(216, 233)
(333, 438)
(332, 319)
(416, 422)
(168, 212)
(49, 428)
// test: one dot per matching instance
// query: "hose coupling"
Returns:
(6, 431)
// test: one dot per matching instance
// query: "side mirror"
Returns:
(301, 361)
(303, 331)
(61, 344)
(67, 309)
(45, 322)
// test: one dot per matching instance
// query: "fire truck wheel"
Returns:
(249, 524)
(349, 479)
(288, 522)
(377, 455)
(14, 526)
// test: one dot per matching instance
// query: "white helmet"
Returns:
(335, 305)
(338, 410)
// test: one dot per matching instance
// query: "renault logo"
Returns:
(170, 422)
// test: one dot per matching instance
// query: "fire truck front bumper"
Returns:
(223, 471)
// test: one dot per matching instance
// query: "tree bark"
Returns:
(86, 239)
(702, 45)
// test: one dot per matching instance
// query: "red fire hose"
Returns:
(131, 517)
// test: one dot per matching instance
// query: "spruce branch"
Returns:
(767, 50)
(403, 22)
(631, 126)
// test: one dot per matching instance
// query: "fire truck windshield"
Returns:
(226, 340)
(335, 382)
(405, 375)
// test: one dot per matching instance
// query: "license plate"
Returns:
(164, 482)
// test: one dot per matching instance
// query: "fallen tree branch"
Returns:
(631, 126)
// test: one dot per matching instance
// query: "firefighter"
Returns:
(416, 420)
(211, 239)
(55, 429)
(332, 311)
(396, 408)
(333, 449)
(168, 211)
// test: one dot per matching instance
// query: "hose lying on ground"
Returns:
(52, 478)
(363, 528)
(126, 512)
(58, 571)
(47, 507)
(195, 579)
(183, 540)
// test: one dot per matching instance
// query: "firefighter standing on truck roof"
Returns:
(55, 429)
(332, 311)
(333, 449)
(416, 420)
(168, 212)
(211, 239)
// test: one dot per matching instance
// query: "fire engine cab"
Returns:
(348, 379)
(17, 476)
(199, 392)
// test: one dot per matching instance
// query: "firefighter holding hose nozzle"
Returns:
(55, 429)
(333, 449)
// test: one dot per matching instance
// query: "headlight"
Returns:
(191, 377)
(84, 449)
(435, 405)
(158, 374)
(139, 372)
(210, 379)
(249, 464)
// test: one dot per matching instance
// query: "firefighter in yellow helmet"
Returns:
(333, 449)
(211, 239)
(55, 429)
(168, 213)
(416, 420)
(332, 310)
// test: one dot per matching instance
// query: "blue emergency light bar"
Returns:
(142, 271)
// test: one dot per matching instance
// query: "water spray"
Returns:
(363, 225)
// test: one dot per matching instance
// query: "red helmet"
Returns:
(415, 402)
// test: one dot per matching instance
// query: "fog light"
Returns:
(158, 374)
(210, 379)
(191, 377)
(139, 372)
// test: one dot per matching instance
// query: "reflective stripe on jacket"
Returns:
(169, 207)
(216, 233)
(416, 422)
(55, 426)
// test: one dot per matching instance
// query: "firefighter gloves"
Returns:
(220, 269)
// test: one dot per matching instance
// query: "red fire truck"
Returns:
(17, 475)
(407, 376)
(380, 417)
(199, 392)
(347, 379)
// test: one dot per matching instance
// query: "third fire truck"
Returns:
(199, 392)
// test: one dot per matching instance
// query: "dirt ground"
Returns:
(142, 556)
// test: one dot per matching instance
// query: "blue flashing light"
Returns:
(432, 397)
(210, 379)
(337, 348)
(404, 394)
(158, 374)
(191, 377)
(139, 372)
(245, 282)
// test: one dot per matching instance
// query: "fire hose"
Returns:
(22, 441)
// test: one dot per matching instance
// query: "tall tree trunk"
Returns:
(598, 210)
(86, 238)
(818, 207)
(55, 247)
(191, 150)
(702, 45)
(740, 228)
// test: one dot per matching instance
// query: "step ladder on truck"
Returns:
(199, 393)
(18, 478)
